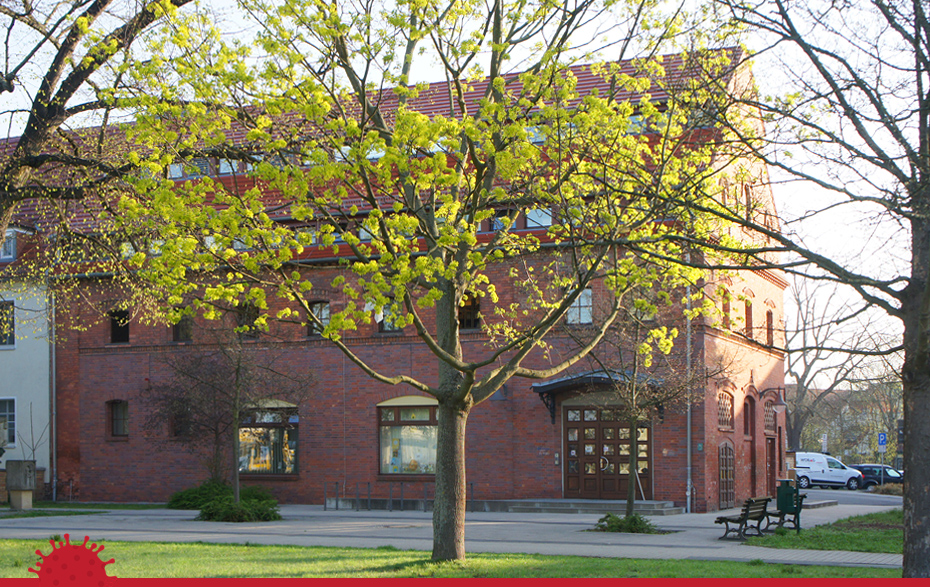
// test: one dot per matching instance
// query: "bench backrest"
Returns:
(756, 506)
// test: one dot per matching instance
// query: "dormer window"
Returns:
(8, 248)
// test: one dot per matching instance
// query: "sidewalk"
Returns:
(693, 537)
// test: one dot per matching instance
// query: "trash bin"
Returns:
(786, 496)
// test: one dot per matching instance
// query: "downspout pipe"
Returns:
(688, 382)
(53, 387)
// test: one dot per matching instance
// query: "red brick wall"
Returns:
(511, 444)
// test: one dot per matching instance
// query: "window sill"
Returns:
(270, 476)
(117, 438)
(400, 478)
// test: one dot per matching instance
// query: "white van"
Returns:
(814, 468)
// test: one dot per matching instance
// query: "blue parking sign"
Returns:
(882, 439)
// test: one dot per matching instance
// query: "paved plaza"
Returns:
(691, 537)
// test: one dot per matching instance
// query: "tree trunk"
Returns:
(917, 477)
(234, 474)
(916, 388)
(449, 503)
(795, 425)
(632, 476)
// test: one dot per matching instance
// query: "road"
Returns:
(846, 497)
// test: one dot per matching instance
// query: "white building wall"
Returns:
(25, 376)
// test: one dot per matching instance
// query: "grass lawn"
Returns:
(155, 560)
(879, 532)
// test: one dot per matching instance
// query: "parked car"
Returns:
(872, 474)
(814, 468)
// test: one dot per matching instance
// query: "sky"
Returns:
(857, 237)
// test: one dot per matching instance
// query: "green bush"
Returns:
(196, 498)
(224, 509)
(635, 524)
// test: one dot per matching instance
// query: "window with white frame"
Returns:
(8, 414)
(321, 311)
(7, 324)
(388, 321)
(580, 312)
(539, 218)
(8, 246)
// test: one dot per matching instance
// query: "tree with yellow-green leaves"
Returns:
(64, 67)
(521, 170)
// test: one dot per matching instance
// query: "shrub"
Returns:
(254, 492)
(224, 509)
(196, 498)
(889, 489)
(635, 524)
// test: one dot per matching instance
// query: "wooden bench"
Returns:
(787, 517)
(754, 510)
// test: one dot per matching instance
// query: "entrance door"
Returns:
(771, 465)
(597, 448)
(725, 476)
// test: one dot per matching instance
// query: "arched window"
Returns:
(725, 309)
(749, 417)
(747, 196)
(770, 328)
(769, 417)
(748, 310)
(724, 410)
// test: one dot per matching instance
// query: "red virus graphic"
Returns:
(72, 564)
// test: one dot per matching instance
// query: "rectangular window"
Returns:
(500, 220)
(268, 442)
(175, 171)
(8, 246)
(408, 440)
(539, 218)
(118, 418)
(388, 322)
(246, 316)
(200, 167)
(183, 330)
(468, 313)
(7, 324)
(321, 311)
(226, 166)
(580, 312)
(8, 415)
(119, 326)
(197, 167)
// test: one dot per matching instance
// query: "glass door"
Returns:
(597, 449)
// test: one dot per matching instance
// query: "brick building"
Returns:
(558, 438)
(340, 436)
